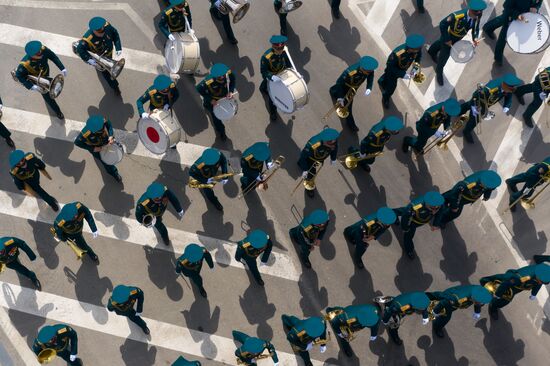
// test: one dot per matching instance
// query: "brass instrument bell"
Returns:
(492, 287)
(79, 252)
(419, 77)
(47, 355)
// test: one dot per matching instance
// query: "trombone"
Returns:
(441, 142)
(351, 161)
(266, 175)
(193, 183)
(342, 110)
(72, 244)
(529, 203)
(309, 184)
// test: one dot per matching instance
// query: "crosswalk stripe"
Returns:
(18, 342)
(380, 15)
(223, 252)
(62, 45)
(163, 334)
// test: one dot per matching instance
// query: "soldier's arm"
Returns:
(174, 94)
(334, 152)
(271, 348)
(203, 91)
(535, 290)
(81, 143)
(381, 231)
(116, 38)
(447, 122)
(89, 218)
(173, 200)
(267, 252)
(406, 219)
(24, 247)
(224, 163)
(39, 164)
(486, 279)
(364, 144)
(374, 329)
(163, 24)
(195, 173)
(322, 232)
(188, 11)
(239, 252)
(178, 267)
(388, 314)
(264, 68)
(82, 50)
(109, 125)
(21, 74)
(140, 212)
(208, 259)
(232, 82)
(110, 306)
(475, 30)
(487, 194)
(477, 308)
(49, 54)
(370, 80)
(444, 27)
(508, 100)
(503, 287)
(246, 168)
(454, 194)
(140, 299)
(419, 56)
(36, 348)
(393, 67)
(141, 100)
(59, 232)
(73, 337)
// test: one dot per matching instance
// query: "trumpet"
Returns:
(2, 267)
(72, 244)
(529, 203)
(309, 184)
(290, 5)
(266, 175)
(193, 183)
(492, 287)
(342, 111)
(441, 142)
(351, 160)
(47, 355)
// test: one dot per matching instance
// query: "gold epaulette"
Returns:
(78, 205)
(246, 245)
(525, 279)
(152, 92)
(133, 292)
(268, 56)
(352, 72)
(308, 228)
(144, 203)
(404, 308)
(316, 145)
(434, 114)
(459, 16)
(248, 157)
(379, 133)
(471, 185)
(462, 300)
(9, 242)
(14, 170)
(173, 85)
(209, 81)
(87, 133)
(29, 156)
(400, 52)
(61, 223)
(184, 262)
(89, 38)
(301, 334)
(169, 11)
(493, 90)
(371, 222)
(201, 165)
(228, 72)
(62, 330)
(351, 321)
(417, 207)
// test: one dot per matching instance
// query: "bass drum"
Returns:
(183, 54)
(529, 36)
(226, 109)
(112, 154)
(159, 132)
(290, 93)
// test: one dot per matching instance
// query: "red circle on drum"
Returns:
(153, 135)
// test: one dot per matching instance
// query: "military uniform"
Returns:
(213, 90)
(69, 224)
(453, 28)
(535, 176)
(301, 334)
(353, 77)
(100, 45)
(25, 170)
(183, 362)
(428, 125)
(122, 302)
(335, 8)
(540, 93)
(485, 97)
(271, 64)
(376, 139)
(252, 164)
(172, 20)
(420, 6)
(351, 319)
(39, 66)
(367, 229)
(250, 248)
(467, 191)
(401, 306)
(4, 132)
(397, 65)
(205, 168)
(9, 257)
(190, 264)
(155, 202)
(163, 94)
(251, 348)
(226, 21)
(512, 10)
(515, 281)
(419, 212)
(310, 231)
(541, 258)
(61, 338)
(454, 298)
(317, 149)
(97, 133)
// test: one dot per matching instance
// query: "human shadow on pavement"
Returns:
(440, 351)
(277, 132)
(332, 38)
(314, 298)
(411, 275)
(361, 283)
(213, 226)
(257, 308)
(529, 240)
(389, 353)
(45, 243)
(113, 107)
(138, 353)
(191, 115)
(161, 268)
(456, 263)
(256, 218)
(499, 341)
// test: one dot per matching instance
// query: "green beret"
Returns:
(452, 107)
(162, 82)
(511, 80)
(155, 190)
(15, 157)
(414, 41)
(368, 63)
(433, 199)
(477, 5)
(210, 156)
(257, 238)
(218, 70)
(97, 23)
(490, 179)
(314, 326)
(278, 39)
(193, 253)
(386, 215)
(95, 123)
(32, 48)
(419, 300)
(121, 294)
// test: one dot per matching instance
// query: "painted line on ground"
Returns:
(17, 341)
(380, 15)
(223, 252)
(166, 335)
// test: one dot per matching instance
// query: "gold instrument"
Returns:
(530, 203)
(492, 287)
(47, 355)
(309, 184)
(265, 354)
(2, 267)
(430, 309)
(104, 63)
(396, 320)
(441, 142)
(290, 5)
(418, 75)
(345, 329)
(544, 79)
(46, 174)
(193, 183)
(72, 244)
(266, 175)
(342, 111)
(237, 8)
(52, 87)
(350, 161)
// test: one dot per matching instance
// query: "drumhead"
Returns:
(173, 53)
(226, 109)
(159, 132)
(462, 51)
(56, 86)
(112, 154)
(282, 94)
(531, 36)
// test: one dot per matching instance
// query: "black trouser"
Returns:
(218, 124)
(408, 236)
(111, 169)
(344, 344)
(290, 322)
(497, 304)
(250, 182)
(360, 247)
(388, 83)
(195, 277)
(209, 194)
(305, 246)
(35, 185)
(263, 90)
(81, 243)
(499, 21)
(113, 83)
(335, 5)
(226, 22)
(21, 269)
(161, 228)
(334, 94)
(442, 320)
(52, 103)
(282, 18)
(446, 215)
(442, 52)
(4, 132)
(536, 103)
(473, 120)
(252, 266)
(131, 314)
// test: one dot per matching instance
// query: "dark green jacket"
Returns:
(30, 66)
(136, 295)
(272, 64)
(455, 26)
(29, 173)
(201, 172)
(102, 46)
(352, 77)
(65, 229)
(147, 206)
(400, 60)
(12, 245)
(88, 141)
(172, 20)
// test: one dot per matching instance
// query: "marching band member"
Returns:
(352, 319)
(162, 94)
(35, 63)
(534, 177)
(69, 224)
(154, 202)
(190, 264)
(183, 362)
(205, 168)
(4, 132)
(98, 133)
(173, 19)
(250, 248)
(367, 229)
(317, 149)
(99, 39)
(9, 257)
(25, 169)
(420, 211)
(512, 11)
(376, 139)
(428, 125)
(467, 191)
(514, 281)
(226, 21)
(309, 233)
(453, 28)
(353, 77)
(61, 338)
(540, 92)
(220, 83)
(454, 298)
(252, 164)
(273, 61)
(251, 348)
(485, 97)
(401, 306)
(304, 334)
(122, 303)
(397, 65)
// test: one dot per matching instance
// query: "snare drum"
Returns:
(529, 36)
(159, 132)
(183, 54)
(112, 154)
(226, 109)
(290, 93)
(462, 51)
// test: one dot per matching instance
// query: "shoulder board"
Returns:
(405, 307)
(371, 222)
(87, 133)
(417, 207)
(471, 185)
(201, 165)
(400, 52)
(61, 223)
(145, 202)
(352, 72)
(492, 90)
(462, 300)
(152, 92)
(209, 81)
(248, 157)
(25, 63)
(169, 11)
(133, 292)
(9, 242)
(351, 321)
(525, 278)
(29, 156)
(14, 170)
(228, 72)
(377, 134)
(173, 85)
(89, 38)
(43, 48)
(300, 334)
(184, 262)
(246, 245)
(62, 330)
(78, 205)
(268, 56)
(316, 145)
(460, 15)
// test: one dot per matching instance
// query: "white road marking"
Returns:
(163, 334)
(14, 35)
(380, 15)
(18, 342)
(280, 265)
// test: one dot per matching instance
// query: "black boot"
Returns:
(10, 142)
(203, 292)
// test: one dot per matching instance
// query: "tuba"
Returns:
(351, 161)
(382, 301)
(237, 8)
(104, 63)
(290, 5)
(193, 183)
(544, 80)
(309, 184)
(430, 309)
(266, 175)
(72, 244)
(2, 267)
(492, 287)
(47, 355)
(52, 87)
(149, 220)
(416, 71)
(342, 111)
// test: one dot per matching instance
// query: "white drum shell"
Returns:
(531, 36)
(167, 129)
(183, 54)
(226, 109)
(290, 93)
(112, 154)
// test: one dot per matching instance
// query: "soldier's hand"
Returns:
(373, 338)
(270, 164)
(505, 110)
(275, 78)
(259, 178)
(340, 101)
(533, 10)
(213, 102)
(449, 43)
(92, 62)
(407, 76)
(439, 134)
(191, 31)
(95, 234)
(341, 335)
(138, 314)
(35, 88)
(370, 237)
(263, 264)
(476, 316)
(542, 95)
(64, 73)
(304, 174)
(166, 107)
(118, 53)
(532, 297)
(145, 115)
(361, 155)
(425, 321)
(309, 346)
(475, 42)
(317, 242)
(367, 92)
(322, 349)
(474, 111)
(171, 37)
(210, 180)
(180, 214)
(224, 182)
(72, 358)
(111, 140)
